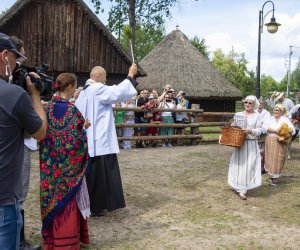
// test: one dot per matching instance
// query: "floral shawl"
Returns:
(63, 158)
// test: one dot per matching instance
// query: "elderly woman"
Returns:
(244, 167)
(275, 150)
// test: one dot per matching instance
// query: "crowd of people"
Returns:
(267, 143)
(149, 101)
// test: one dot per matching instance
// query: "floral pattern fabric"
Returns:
(63, 158)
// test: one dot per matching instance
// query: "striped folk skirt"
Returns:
(245, 167)
(67, 229)
(275, 156)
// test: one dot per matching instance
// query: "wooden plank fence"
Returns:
(195, 135)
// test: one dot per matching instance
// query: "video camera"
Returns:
(44, 84)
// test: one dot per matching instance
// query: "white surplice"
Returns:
(95, 103)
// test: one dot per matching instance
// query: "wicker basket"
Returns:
(233, 137)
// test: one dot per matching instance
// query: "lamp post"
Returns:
(272, 27)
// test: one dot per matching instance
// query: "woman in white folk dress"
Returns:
(244, 167)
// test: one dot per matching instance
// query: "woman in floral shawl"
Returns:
(63, 162)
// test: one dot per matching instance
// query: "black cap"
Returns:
(7, 43)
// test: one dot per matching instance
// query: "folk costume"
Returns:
(63, 191)
(244, 168)
(276, 151)
(103, 177)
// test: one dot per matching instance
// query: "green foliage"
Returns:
(294, 82)
(146, 39)
(267, 85)
(234, 67)
(200, 45)
(148, 13)
(295, 78)
(282, 85)
(3, 12)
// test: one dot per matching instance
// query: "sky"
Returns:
(228, 24)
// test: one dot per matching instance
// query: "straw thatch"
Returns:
(177, 62)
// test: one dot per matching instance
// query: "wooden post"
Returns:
(195, 117)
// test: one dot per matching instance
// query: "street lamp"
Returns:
(272, 27)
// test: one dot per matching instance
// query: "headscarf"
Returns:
(281, 107)
(253, 99)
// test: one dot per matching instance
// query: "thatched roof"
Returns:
(20, 4)
(177, 62)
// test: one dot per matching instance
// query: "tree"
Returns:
(234, 67)
(295, 77)
(267, 85)
(281, 87)
(148, 13)
(294, 82)
(146, 39)
(200, 45)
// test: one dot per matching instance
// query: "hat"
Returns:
(7, 43)
(278, 95)
(151, 97)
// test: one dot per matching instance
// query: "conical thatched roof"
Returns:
(177, 62)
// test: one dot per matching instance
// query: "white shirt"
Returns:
(31, 143)
(272, 123)
(287, 104)
(265, 115)
(95, 104)
(294, 110)
(167, 105)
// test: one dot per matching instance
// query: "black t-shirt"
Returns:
(16, 116)
(140, 102)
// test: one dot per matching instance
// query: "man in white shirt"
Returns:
(95, 103)
(278, 97)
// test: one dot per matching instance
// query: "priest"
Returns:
(95, 103)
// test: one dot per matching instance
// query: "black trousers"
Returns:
(104, 184)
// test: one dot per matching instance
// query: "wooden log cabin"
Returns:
(68, 36)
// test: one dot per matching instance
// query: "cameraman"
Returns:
(29, 145)
(19, 112)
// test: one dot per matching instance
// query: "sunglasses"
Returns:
(248, 103)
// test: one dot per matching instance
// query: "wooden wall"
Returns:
(63, 35)
(215, 105)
